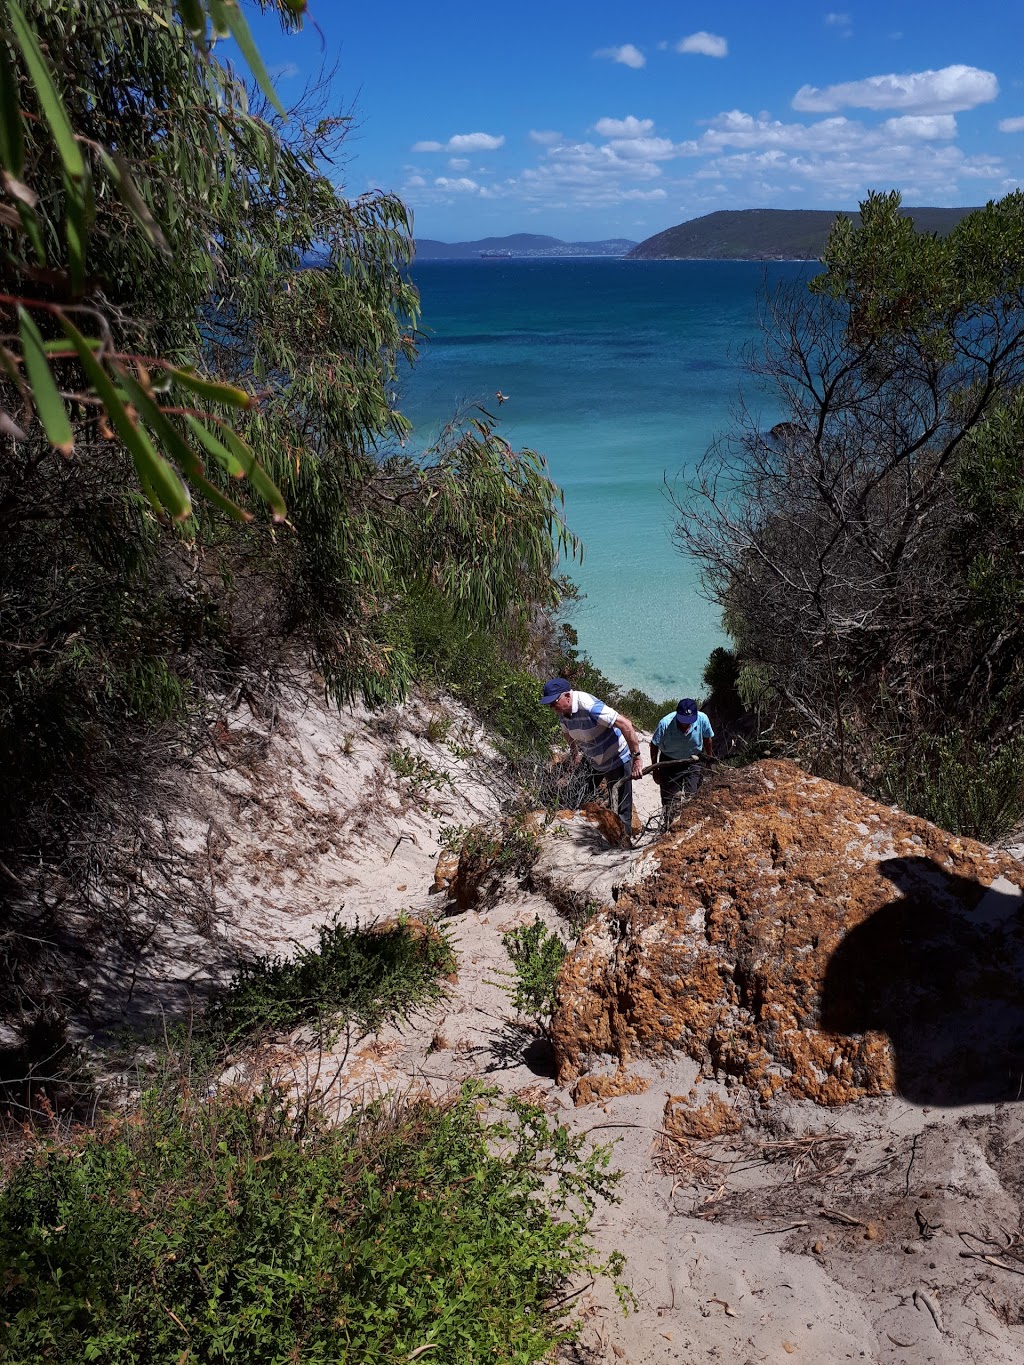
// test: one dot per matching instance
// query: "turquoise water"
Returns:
(620, 373)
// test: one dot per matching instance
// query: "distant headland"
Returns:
(768, 234)
(521, 245)
(730, 234)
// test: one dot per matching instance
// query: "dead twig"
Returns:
(841, 1217)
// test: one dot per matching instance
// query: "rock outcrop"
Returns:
(797, 936)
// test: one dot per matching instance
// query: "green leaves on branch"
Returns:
(58, 228)
(46, 92)
(131, 398)
(48, 402)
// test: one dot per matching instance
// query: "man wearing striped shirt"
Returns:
(606, 739)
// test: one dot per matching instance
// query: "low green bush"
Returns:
(368, 976)
(960, 784)
(194, 1230)
(536, 955)
(479, 668)
(422, 776)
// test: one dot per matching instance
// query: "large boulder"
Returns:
(797, 936)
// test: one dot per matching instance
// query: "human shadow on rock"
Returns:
(940, 970)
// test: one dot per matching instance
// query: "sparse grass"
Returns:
(197, 1229)
(365, 976)
(961, 785)
(438, 728)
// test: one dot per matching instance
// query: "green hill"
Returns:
(767, 234)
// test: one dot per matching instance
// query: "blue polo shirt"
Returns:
(592, 726)
(673, 740)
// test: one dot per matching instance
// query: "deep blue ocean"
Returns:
(620, 373)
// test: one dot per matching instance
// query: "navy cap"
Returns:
(686, 711)
(553, 689)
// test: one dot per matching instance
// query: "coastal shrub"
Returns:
(536, 955)
(860, 555)
(959, 784)
(488, 854)
(242, 1226)
(482, 667)
(367, 976)
(421, 775)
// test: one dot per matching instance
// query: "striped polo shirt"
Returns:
(592, 726)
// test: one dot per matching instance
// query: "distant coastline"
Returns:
(763, 235)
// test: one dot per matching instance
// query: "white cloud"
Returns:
(1011, 125)
(628, 55)
(838, 20)
(416, 181)
(643, 148)
(463, 142)
(707, 44)
(623, 127)
(460, 186)
(458, 163)
(645, 196)
(285, 72)
(930, 127)
(833, 161)
(475, 142)
(545, 137)
(920, 92)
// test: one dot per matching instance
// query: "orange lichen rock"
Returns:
(445, 870)
(712, 1119)
(804, 938)
(590, 1088)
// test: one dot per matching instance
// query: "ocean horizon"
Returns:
(621, 374)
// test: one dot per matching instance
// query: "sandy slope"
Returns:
(810, 1234)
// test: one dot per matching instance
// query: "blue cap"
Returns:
(553, 689)
(686, 711)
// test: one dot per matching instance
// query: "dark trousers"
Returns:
(681, 781)
(624, 801)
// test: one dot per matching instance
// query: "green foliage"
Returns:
(421, 776)
(960, 784)
(860, 556)
(537, 956)
(234, 1225)
(990, 486)
(477, 665)
(721, 672)
(249, 322)
(509, 848)
(488, 854)
(70, 176)
(363, 976)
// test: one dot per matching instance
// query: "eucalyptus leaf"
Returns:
(162, 484)
(45, 395)
(46, 92)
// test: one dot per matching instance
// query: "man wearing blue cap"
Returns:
(605, 737)
(681, 739)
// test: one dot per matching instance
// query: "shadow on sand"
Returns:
(940, 969)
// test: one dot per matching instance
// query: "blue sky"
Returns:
(593, 120)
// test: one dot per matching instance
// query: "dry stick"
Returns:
(842, 1217)
(772, 1232)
